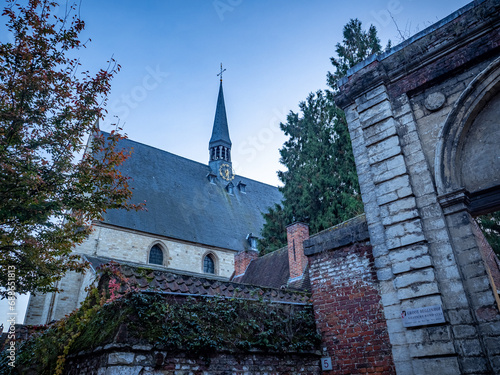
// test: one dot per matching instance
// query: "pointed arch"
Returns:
(157, 254)
(210, 263)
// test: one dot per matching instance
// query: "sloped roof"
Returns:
(182, 204)
(145, 278)
(220, 131)
(272, 270)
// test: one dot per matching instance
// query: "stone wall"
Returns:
(140, 359)
(133, 246)
(411, 113)
(127, 245)
(346, 300)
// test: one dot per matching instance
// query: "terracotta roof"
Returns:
(153, 279)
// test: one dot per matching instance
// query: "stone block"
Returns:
(403, 367)
(371, 94)
(460, 316)
(392, 312)
(389, 169)
(490, 328)
(474, 365)
(383, 150)
(438, 366)
(414, 277)
(351, 114)
(417, 335)
(412, 264)
(384, 274)
(463, 331)
(379, 131)
(390, 219)
(124, 370)
(478, 284)
(480, 299)
(453, 294)
(432, 349)
(375, 113)
(473, 270)
(492, 345)
(395, 326)
(393, 190)
(120, 358)
(364, 104)
(439, 333)
(418, 290)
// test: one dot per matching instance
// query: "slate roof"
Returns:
(273, 270)
(182, 204)
(220, 131)
(156, 280)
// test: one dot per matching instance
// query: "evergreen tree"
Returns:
(356, 46)
(320, 185)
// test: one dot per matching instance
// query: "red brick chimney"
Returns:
(296, 234)
(242, 259)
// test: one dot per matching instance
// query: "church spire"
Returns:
(220, 143)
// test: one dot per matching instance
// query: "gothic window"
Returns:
(209, 264)
(224, 153)
(156, 255)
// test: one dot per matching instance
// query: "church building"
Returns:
(197, 218)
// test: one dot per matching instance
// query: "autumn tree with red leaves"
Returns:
(48, 107)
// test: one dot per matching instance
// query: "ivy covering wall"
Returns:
(198, 325)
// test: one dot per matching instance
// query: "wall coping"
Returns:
(341, 235)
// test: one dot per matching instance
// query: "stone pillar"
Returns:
(242, 259)
(296, 234)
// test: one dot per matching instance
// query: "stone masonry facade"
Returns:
(411, 116)
(346, 299)
(126, 245)
(142, 359)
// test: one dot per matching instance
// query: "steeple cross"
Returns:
(221, 71)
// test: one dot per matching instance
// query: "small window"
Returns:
(156, 255)
(211, 177)
(230, 188)
(242, 187)
(209, 264)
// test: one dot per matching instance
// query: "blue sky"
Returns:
(275, 53)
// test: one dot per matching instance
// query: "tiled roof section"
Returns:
(181, 202)
(148, 279)
(271, 270)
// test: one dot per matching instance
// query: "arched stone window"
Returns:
(156, 255)
(209, 264)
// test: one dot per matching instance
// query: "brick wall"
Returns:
(144, 359)
(346, 300)
(296, 234)
(242, 259)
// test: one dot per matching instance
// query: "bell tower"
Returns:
(220, 144)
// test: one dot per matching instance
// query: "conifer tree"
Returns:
(320, 185)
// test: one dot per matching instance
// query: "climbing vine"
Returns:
(198, 325)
